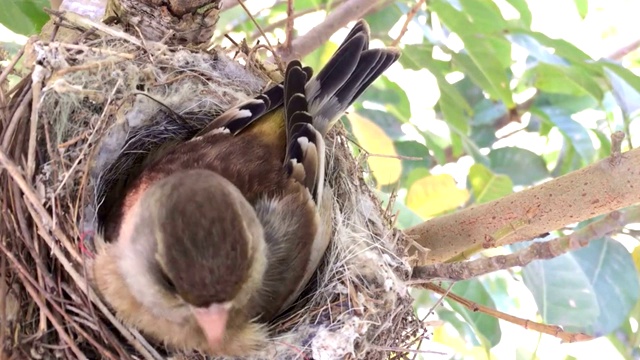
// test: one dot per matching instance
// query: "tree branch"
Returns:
(338, 18)
(594, 190)
(613, 222)
(552, 330)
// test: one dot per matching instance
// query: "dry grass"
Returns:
(77, 125)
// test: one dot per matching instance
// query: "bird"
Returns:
(219, 234)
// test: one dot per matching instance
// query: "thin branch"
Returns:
(611, 223)
(289, 25)
(623, 51)
(589, 192)
(410, 15)
(338, 18)
(552, 330)
(39, 300)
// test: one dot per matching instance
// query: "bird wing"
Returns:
(296, 114)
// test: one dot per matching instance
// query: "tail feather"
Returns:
(347, 74)
(313, 104)
(372, 64)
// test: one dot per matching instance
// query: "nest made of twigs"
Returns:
(78, 123)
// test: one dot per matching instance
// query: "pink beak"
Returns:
(213, 322)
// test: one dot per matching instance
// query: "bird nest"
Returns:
(95, 103)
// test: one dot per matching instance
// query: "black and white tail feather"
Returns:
(313, 105)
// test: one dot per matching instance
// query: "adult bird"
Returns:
(221, 233)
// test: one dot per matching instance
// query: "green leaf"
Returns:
(627, 75)
(390, 95)
(412, 149)
(490, 75)
(486, 112)
(561, 48)
(480, 28)
(575, 134)
(566, 104)
(437, 145)
(522, 166)
(626, 87)
(538, 51)
(484, 325)
(380, 22)
(24, 16)
(414, 56)
(453, 106)
(523, 8)
(484, 14)
(605, 144)
(386, 121)
(476, 17)
(591, 290)
(583, 7)
(487, 186)
(468, 334)
(320, 56)
(561, 79)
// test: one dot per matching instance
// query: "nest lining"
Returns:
(94, 126)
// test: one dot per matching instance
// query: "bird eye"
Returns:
(167, 281)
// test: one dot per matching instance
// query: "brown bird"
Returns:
(221, 233)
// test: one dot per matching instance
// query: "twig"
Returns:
(266, 39)
(280, 23)
(11, 65)
(338, 18)
(289, 25)
(132, 336)
(86, 23)
(36, 202)
(24, 275)
(623, 51)
(616, 148)
(89, 141)
(37, 77)
(537, 251)
(448, 290)
(589, 192)
(7, 71)
(552, 330)
(15, 120)
(410, 15)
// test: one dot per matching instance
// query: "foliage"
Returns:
(503, 107)
(24, 17)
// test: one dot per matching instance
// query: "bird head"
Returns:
(193, 246)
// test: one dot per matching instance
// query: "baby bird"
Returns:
(221, 233)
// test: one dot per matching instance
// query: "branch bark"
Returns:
(338, 18)
(597, 189)
(464, 270)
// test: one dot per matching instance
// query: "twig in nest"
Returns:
(410, 15)
(27, 282)
(37, 77)
(552, 330)
(85, 23)
(271, 48)
(89, 141)
(431, 310)
(6, 72)
(15, 119)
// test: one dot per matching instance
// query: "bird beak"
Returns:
(213, 322)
